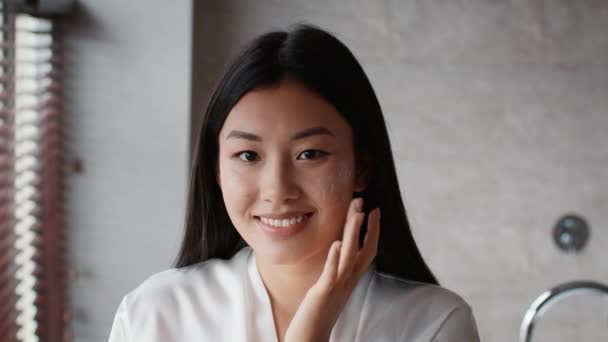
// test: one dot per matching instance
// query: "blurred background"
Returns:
(497, 113)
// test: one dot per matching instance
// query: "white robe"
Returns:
(225, 300)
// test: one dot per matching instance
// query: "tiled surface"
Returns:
(498, 116)
(127, 75)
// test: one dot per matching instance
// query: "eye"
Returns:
(248, 156)
(312, 154)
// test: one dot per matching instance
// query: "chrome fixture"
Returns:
(571, 233)
(548, 298)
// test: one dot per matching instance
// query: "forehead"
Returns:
(286, 107)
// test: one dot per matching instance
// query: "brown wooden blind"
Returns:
(32, 274)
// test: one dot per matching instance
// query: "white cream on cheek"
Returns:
(334, 184)
(334, 191)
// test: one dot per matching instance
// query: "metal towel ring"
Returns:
(549, 297)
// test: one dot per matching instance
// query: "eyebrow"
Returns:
(319, 130)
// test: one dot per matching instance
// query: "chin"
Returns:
(284, 254)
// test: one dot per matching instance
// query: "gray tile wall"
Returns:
(127, 75)
(498, 116)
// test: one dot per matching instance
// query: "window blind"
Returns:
(32, 240)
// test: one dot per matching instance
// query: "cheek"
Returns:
(332, 192)
(337, 185)
(335, 191)
(233, 185)
(236, 190)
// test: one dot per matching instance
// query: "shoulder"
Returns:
(419, 310)
(388, 288)
(175, 305)
(193, 283)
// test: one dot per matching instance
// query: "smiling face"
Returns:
(286, 168)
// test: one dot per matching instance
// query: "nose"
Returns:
(278, 183)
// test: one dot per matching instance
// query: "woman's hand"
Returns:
(345, 264)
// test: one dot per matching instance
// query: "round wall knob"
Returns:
(571, 233)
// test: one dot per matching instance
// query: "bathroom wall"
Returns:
(497, 113)
(127, 72)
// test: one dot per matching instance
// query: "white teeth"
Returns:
(283, 222)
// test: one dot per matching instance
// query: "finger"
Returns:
(350, 238)
(349, 247)
(370, 242)
(330, 270)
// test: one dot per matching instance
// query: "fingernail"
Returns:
(359, 204)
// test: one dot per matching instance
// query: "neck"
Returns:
(288, 284)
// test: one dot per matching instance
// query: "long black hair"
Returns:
(320, 61)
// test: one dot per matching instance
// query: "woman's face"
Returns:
(286, 169)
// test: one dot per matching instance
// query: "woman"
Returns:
(295, 229)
